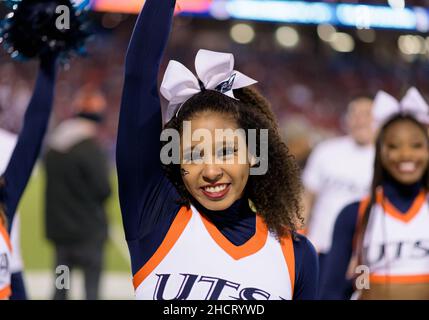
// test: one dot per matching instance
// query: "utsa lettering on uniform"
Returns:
(203, 230)
(274, 280)
(215, 288)
(397, 254)
(413, 250)
(4, 263)
(5, 255)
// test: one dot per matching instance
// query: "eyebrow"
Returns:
(190, 149)
(227, 143)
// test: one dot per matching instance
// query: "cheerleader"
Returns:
(205, 231)
(25, 37)
(24, 156)
(7, 145)
(382, 241)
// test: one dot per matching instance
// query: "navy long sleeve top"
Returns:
(147, 197)
(334, 285)
(30, 139)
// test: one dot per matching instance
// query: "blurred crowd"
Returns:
(309, 86)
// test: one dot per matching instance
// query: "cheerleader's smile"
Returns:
(407, 167)
(216, 191)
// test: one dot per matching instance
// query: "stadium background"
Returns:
(310, 61)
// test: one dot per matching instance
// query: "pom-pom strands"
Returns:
(38, 27)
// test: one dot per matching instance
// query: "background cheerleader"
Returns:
(329, 182)
(7, 144)
(387, 232)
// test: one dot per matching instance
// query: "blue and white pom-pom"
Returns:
(36, 27)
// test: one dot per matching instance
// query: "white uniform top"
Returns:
(5, 256)
(397, 244)
(196, 262)
(339, 172)
(7, 145)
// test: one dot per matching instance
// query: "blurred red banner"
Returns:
(134, 6)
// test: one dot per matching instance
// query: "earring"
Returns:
(252, 206)
(253, 162)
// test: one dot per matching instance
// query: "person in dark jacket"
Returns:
(77, 186)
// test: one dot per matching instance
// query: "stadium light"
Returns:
(287, 37)
(365, 16)
(280, 11)
(366, 35)
(325, 31)
(242, 33)
(342, 42)
(412, 44)
(396, 4)
(392, 15)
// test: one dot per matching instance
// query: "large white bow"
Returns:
(215, 70)
(385, 106)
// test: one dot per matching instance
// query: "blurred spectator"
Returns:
(298, 137)
(310, 80)
(77, 186)
(338, 171)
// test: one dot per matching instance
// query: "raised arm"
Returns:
(142, 185)
(30, 139)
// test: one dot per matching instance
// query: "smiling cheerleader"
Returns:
(383, 240)
(205, 227)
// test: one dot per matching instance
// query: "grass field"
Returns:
(37, 251)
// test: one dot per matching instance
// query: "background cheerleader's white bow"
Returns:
(214, 69)
(385, 106)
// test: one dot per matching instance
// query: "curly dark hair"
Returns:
(380, 175)
(277, 193)
(3, 219)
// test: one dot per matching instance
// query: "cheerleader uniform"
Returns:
(22, 161)
(7, 145)
(5, 258)
(396, 245)
(180, 253)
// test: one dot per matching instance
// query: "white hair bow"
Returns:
(215, 71)
(385, 106)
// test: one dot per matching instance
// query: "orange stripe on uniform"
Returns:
(5, 236)
(173, 234)
(410, 279)
(362, 207)
(289, 254)
(303, 232)
(251, 246)
(395, 213)
(5, 293)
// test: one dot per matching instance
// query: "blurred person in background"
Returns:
(297, 132)
(338, 172)
(380, 241)
(77, 187)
